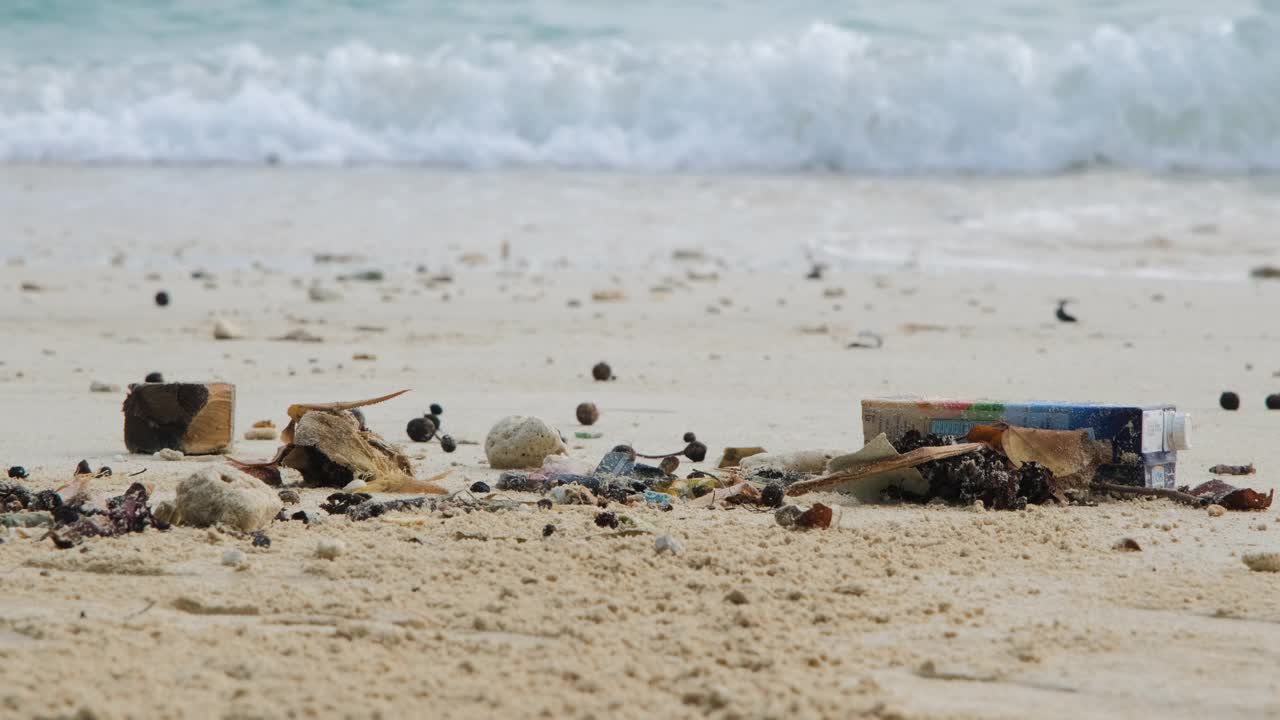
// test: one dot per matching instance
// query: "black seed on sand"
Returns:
(1229, 401)
(772, 495)
(588, 413)
(602, 372)
(82, 468)
(479, 487)
(548, 530)
(545, 504)
(420, 429)
(448, 444)
(18, 472)
(696, 451)
(162, 298)
(1273, 401)
(154, 377)
(607, 519)
(436, 409)
(1062, 314)
(690, 437)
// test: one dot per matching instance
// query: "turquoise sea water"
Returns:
(989, 87)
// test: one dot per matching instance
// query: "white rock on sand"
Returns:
(224, 329)
(520, 441)
(225, 496)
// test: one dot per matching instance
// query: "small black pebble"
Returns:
(301, 515)
(448, 444)
(261, 540)
(602, 372)
(436, 409)
(772, 495)
(690, 437)
(82, 468)
(548, 530)
(1229, 401)
(17, 471)
(479, 487)
(1273, 401)
(545, 504)
(162, 298)
(696, 451)
(154, 377)
(420, 429)
(607, 519)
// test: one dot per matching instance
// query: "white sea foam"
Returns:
(1201, 98)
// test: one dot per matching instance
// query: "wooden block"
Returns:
(196, 418)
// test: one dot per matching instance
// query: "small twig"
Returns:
(150, 604)
(1176, 496)
(137, 473)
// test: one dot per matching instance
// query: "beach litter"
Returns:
(1233, 469)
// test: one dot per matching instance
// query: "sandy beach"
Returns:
(897, 611)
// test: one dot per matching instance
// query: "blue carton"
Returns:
(1144, 439)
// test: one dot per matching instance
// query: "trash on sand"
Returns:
(1231, 497)
(519, 442)
(867, 340)
(737, 493)
(817, 516)
(869, 489)
(732, 456)
(799, 461)
(1233, 469)
(1143, 440)
(656, 498)
(1062, 314)
(1071, 455)
(572, 494)
(588, 435)
(192, 418)
(667, 544)
(916, 457)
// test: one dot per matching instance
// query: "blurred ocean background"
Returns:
(989, 87)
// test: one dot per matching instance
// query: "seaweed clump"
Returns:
(985, 475)
(127, 513)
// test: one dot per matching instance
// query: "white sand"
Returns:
(900, 612)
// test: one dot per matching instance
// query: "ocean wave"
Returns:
(1192, 98)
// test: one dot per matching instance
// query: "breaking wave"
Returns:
(1203, 98)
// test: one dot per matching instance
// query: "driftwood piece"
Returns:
(911, 459)
(195, 418)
